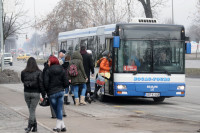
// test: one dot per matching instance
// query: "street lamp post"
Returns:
(2, 40)
(172, 11)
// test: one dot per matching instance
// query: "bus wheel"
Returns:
(159, 99)
(102, 98)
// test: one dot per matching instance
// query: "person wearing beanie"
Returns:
(61, 56)
(56, 81)
(105, 66)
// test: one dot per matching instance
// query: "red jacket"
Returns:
(105, 65)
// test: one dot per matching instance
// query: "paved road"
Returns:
(18, 66)
(186, 109)
(119, 116)
(192, 64)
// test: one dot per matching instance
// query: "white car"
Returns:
(8, 59)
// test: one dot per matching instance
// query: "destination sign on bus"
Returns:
(130, 68)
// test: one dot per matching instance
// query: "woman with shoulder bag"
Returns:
(53, 115)
(55, 82)
(104, 69)
(32, 79)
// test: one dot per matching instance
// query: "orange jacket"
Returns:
(105, 65)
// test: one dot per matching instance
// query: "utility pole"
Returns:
(35, 33)
(2, 35)
(172, 11)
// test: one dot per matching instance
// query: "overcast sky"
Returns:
(183, 11)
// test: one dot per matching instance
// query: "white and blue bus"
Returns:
(148, 59)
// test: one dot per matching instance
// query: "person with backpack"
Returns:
(32, 79)
(77, 77)
(88, 66)
(56, 81)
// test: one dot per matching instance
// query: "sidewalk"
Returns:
(13, 122)
(93, 118)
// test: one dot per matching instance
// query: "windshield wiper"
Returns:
(166, 71)
(135, 73)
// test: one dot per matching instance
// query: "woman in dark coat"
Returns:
(55, 82)
(32, 79)
(78, 80)
(53, 114)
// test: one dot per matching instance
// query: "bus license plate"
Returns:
(152, 94)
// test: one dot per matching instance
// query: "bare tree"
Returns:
(67, 15)
(107, 11)
(150, 6)
(194, 32)
(194, 29)
(15, 22)
(147, 8)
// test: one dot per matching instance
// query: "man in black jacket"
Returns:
(88, 66)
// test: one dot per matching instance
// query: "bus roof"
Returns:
(100, 30)
(108, 29)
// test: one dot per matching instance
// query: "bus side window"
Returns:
(84, 41)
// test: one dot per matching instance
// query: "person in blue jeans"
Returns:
(66, 66)
(55, 82)
(79, 79)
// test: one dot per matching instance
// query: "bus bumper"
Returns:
(142, 89)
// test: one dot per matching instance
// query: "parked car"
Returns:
(8, 59)
(23, 56)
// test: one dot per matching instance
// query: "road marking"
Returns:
(118, 106)
(138, 111)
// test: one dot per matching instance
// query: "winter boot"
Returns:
(66, 100)
(89, 100)
(30, 126)
(58, 126)
(63, 127)
(83, 100)
(34, 127)
(27, 126)
(77, 101)
(73, 100)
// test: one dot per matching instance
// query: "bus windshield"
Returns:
(159, 56)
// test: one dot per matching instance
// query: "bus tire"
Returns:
(158, 99)
(102, 98)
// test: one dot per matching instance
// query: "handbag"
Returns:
(45, 102)
(100, 80)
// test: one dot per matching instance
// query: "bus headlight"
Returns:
(121, 87)
(181, 87)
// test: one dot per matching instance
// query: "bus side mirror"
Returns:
(116, 41)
